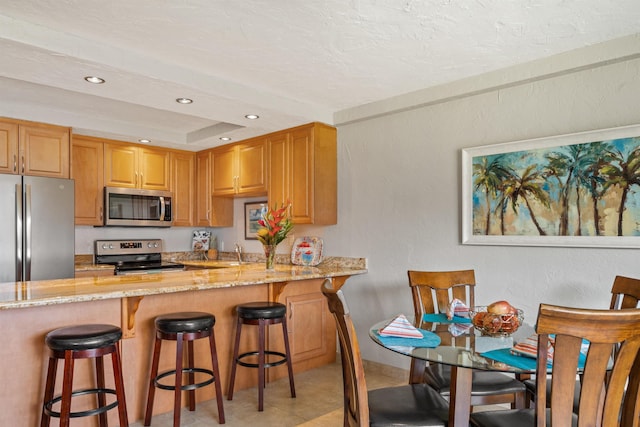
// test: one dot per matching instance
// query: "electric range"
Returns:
(141, 256)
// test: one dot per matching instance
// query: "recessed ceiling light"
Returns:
(225, 138)
(144, 141)
(252, 116)
(94, 80)
(184, 100)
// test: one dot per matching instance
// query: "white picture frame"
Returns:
(550, 150)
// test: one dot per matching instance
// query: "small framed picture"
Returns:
(253, 212)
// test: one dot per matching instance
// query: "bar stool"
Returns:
(83, 342)
(261, 314)
(184, 327)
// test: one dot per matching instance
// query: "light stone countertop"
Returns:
(211, 276)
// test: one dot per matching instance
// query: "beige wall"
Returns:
(399, 184)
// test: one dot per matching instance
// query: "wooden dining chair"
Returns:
(432, 293)
(409, 405)
(601, 402)
(625, 293)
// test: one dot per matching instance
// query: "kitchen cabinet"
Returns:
(183, 166)
(210, 211)
(136, 167)
(87, 168)
(240, 169)
(311, 327)
(36, 149)
(302, 164)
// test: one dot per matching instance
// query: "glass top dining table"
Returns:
(461, 346)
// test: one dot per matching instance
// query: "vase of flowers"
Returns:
(275, 224)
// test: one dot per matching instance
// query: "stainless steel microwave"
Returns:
(129, 207)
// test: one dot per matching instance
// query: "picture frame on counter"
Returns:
(253, 212)
(574, 190)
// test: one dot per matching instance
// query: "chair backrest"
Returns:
(602, 403)
(625, 293)
(433, 291)
(356, 403)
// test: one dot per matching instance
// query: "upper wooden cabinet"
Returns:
(303, 170)
(87, 168)
(136, 167)
(210, 211)
(183, 184)
(28, 148)
(240, 169)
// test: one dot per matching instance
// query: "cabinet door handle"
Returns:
(15, 163)
(22, 164)
(290, 311)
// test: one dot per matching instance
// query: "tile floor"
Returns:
(318, 403)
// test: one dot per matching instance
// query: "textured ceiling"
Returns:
(291, 61)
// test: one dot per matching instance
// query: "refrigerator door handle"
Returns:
(27, 232)
(19, 207)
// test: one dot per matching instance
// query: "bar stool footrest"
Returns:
(283, 359)
(49, 405)
(186, 387)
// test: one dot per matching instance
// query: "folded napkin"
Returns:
(442, 318)
(427, 340)
(457, 329)
(400, 327)
(457, 308)
(529, 347)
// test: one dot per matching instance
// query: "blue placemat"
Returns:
(442, 318)
(504, 355)
(429, 339)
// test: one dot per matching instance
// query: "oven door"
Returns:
(128, 207)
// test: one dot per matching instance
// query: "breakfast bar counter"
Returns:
(29, 310)
(203, 275)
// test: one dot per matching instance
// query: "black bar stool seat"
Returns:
(184, 327)
(92, 341)
(262, 314)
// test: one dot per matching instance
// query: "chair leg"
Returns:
(152, 377)
(102, 400)
(119, 383)
(216, 374)
(261, 362)
(45, 420)
(177, 400)
(288, 353)
(191, 394)
(67, 384)
(234, 360)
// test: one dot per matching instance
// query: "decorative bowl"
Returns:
(495, 325)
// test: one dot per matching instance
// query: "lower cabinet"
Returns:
(311, 327)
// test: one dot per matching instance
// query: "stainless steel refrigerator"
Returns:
(37, 234)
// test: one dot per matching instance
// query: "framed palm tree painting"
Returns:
(581, 189)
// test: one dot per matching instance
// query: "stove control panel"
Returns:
(126, 247)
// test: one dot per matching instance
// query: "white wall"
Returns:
(399, 188)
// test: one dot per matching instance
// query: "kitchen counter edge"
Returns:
(15, 295)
